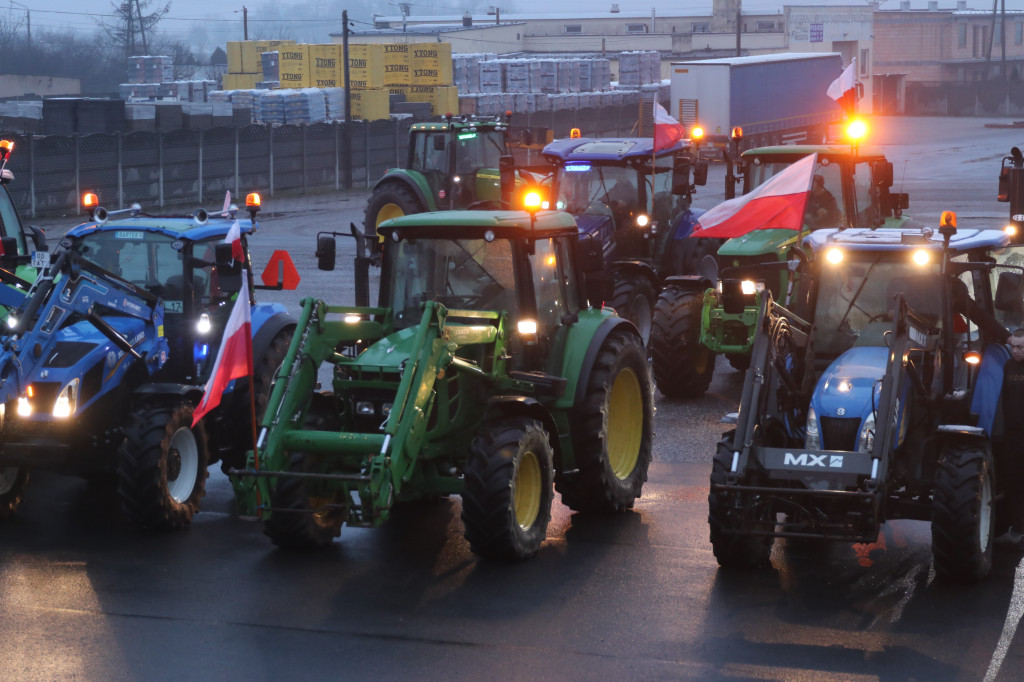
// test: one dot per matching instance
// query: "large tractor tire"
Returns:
(612, 429)
(732, 551)
(162, 464)
(13, 481)
(506, 502)
(963, 517)
(389, 200)
(307, 514)
(633, 299)
(683, 366)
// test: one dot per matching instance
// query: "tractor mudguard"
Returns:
(267, 320)
(989, 385)
(637, 268)
(581, 347)
(519, 405)
(169, 388)
(412, 180)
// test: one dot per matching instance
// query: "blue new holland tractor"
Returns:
(873, 395)
(106, 354)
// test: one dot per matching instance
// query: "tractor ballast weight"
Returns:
(859, 406)
(483, 373)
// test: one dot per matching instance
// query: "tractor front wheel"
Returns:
(506, 502)
(306, 513)
(633, 299)
(613, 429)
(732, 550)
(683, 366)
(963, 513)
(390, 200)
(161, 469)
(13, 481)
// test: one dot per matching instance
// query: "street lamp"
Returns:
(28, 19)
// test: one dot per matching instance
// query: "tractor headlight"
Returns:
(203, 325)
(643, 220)
(12, 321)
(866, 438)
(365, 407)
(24, 407)
(67, 401)
(834, 255)
(813, 440)
(386, 409)
(527, 327)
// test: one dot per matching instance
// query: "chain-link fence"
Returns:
(196, 167)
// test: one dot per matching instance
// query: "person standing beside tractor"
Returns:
(1010, 462)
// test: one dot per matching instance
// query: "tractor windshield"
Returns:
(590, 189)
(854, 293)
(470, 274)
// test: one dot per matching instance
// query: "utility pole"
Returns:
(346, 135)
(739, 31)
(245, 22)
(142, 27)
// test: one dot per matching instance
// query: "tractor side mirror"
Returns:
(326, 252)
(589, 255)
(882, 171)
(38, 238)
(229, 270)
(1004, 184)
(1010, 292)
(9, 248)
(507, 172)
(899, 201)
(681, 175)
(700, 172)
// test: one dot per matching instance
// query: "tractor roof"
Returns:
(614, 149)
(864, 239)
(185, 228)
(472, 224)
(801, 150)
(462, 122)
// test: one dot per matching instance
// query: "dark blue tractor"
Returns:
(104, 359)
(636, 203)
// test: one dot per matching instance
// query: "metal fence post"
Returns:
(366, 147)
(160, 165)
(337, 156)
(271, 155)
(395, 124)
(305, 165)
(200, 167)
(236, 163)
(78, 187)
(31, 176)
(120, 171)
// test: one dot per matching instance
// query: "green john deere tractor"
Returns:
(858, 179)
(483, 372)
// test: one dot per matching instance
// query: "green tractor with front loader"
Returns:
(689, 308)
(482, 372)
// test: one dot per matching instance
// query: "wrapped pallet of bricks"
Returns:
(372, 104)
(271, 107)
(431, 64)
(305, 106)
(325, 66)
(397, 61)
(466, 72)
(443, 99)
(271, 65)
(294, 66)
(492, 76)
(365, 66)
(517, 75)
(629, 68)
(334, 100)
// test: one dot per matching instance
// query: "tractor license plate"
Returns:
(41, 259)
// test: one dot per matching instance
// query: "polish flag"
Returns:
(234, 238)
(777, 204)
(667, 130)
(844, 88)
(234, 358)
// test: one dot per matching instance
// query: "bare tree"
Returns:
(133, 25)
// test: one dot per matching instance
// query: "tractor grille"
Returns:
(839, 433)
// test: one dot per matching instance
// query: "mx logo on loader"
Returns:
(806, 459)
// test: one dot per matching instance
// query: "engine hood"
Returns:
(850, 386)
(389, 352)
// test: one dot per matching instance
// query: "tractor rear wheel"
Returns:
(633, 299)
(506, 502)
(733, 551)
(13, 481)
(161, 470)
(307, 514)
(613, 429)
(683, 366)
(963, 513)
(390, 200)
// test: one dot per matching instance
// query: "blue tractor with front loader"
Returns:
(105, 356)
(872, 395)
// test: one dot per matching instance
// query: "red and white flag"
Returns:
(777, 204)
(234, 237)
(667, 130)
(234, 357)
(844, 88)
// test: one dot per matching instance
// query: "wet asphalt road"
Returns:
(637, 596)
